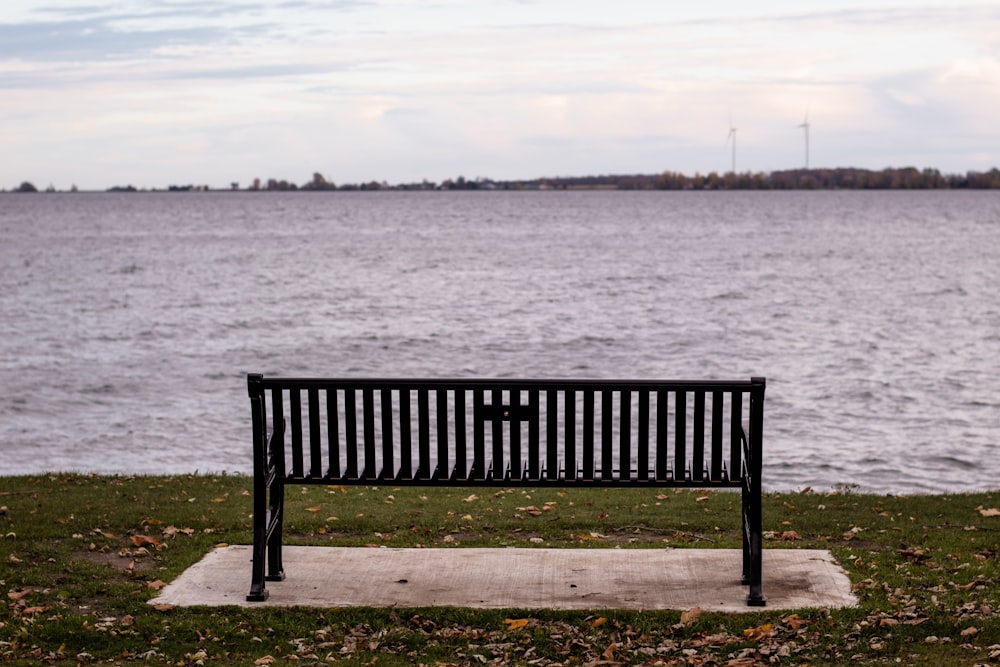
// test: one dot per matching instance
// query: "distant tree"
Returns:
(26, 186)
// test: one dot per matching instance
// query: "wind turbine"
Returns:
(805, 126)
(732, 137)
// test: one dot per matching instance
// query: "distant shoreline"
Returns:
(843, 178)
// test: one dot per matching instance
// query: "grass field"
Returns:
(80, 556)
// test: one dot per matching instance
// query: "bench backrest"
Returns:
(508, 432)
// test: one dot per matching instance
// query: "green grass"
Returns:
(80, 556)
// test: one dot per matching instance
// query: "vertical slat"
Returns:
(388, 450)
(588, 435)
(607, 434)
(278, 423)
(461, 455)
(662, 434)
(625, 434)
(405, 435)
(717, 412)
(295, 414)
(643, 444)
(515, 434)
(315, 446)
(569, 434)
(496, 465)
(698, 455)
(479, 436)
(368, 401)
(442, 471)
(551, 433)
(680, 435)
(332, 433)
(423, 435)
(735, 433)
(533, 436)
(351, 433)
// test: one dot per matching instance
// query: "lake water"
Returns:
(129, 321)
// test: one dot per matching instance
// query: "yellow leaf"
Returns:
(471, 498)
(338, 487)
(690, 616)
(516, 623)
(758, 633)
(218, 500)
(313, 509)
(598, 622)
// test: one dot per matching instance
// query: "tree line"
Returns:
(907, 178)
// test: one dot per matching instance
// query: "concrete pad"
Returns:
(516, 579)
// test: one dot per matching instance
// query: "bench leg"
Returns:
(258, 592)
(753, 549)
(267, 534)
(275, 568)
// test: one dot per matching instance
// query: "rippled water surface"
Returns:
(129, 321)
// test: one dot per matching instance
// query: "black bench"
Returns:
(503, 433)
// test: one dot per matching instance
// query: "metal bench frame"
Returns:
(670, 449)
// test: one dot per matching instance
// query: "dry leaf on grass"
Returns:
(145, 540)
(988, 512)
(516, 623)
(690, 616)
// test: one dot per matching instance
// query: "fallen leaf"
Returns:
(163, 607)
(609, 654)
(988, 512)
(218, 500)
(313, 509)
(338, 487)
(471, 498)
(266, 660)
(794, 622)
(30, 611)
(968, 632)
(598, 622)
(143, 540)
(690, 616)
(701, 499)
(516, 623)
(790, 536)
(758, 633)
(155, 585)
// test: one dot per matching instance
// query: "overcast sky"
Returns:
(157, 92)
